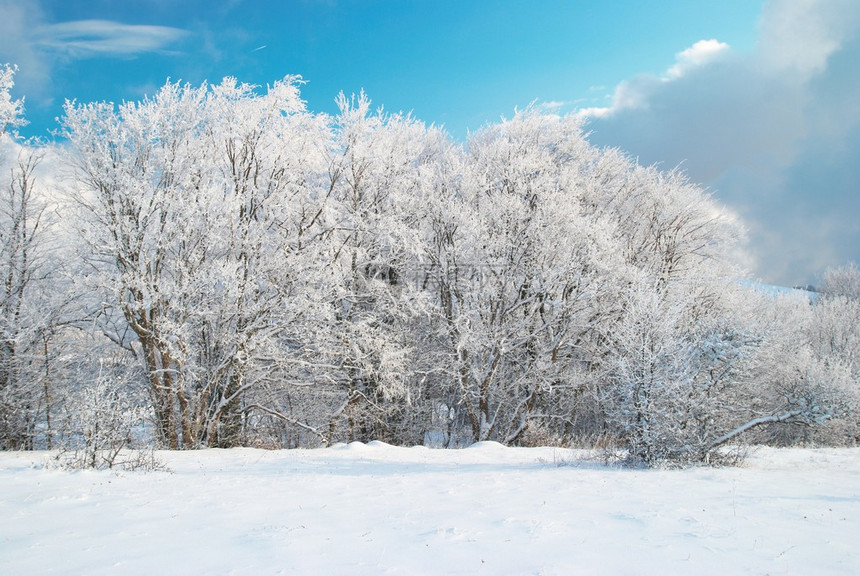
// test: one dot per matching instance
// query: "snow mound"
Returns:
(379, 444)
(487, 445)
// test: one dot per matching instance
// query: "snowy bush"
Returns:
(105, 422)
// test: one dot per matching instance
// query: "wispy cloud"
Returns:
(552, 106)
(29, 39)
(85, 38)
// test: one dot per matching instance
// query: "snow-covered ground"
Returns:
(377, 509)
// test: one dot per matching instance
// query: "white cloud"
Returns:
(775, 133)
(699, 54)
(636, 93)
(595, 111)
(802, 34)
(82, 38)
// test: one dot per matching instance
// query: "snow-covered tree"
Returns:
(842, 281)
(11, 110)
(24, 325)
(195, 203)
(784, 393)
(31, 297)
(374, 175)
(522, 272)
(673, 376)
(256, 291)
(833, 333)
(137, 168)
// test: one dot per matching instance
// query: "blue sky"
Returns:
(757, 100)
(451, 62)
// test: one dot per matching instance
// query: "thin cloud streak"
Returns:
(85, 38)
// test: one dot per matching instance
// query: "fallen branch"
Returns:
(752, 424)
(292, 421)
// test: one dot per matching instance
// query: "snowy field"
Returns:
(377, 509)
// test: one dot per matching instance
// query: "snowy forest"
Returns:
(217, 266)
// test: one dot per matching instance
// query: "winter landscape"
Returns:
(243, 335)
